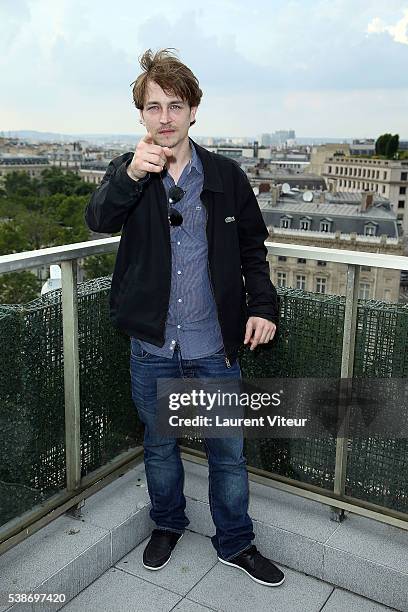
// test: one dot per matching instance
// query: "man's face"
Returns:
(167, 118)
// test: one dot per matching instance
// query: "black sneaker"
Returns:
(258, 567)
(159, 548)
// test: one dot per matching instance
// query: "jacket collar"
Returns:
(212, 177)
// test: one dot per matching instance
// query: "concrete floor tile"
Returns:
(231, 590)
(341, 600)
(290, 512)
(372, 540)
(36, 560)
(361, 576)
(186, 605)
(119, 591)
(191, 559)
(118, 501)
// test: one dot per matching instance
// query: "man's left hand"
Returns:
(263, 331)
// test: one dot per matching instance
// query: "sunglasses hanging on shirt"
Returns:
(175, 195)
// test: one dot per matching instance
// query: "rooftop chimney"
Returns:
(367, 198)
(274, 195)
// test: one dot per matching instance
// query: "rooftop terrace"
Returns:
(75, 511)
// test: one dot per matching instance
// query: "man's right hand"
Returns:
(148, 157)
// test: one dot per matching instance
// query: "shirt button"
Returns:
(178, 242)
(178, 271)
(178, 326)
(179, 300)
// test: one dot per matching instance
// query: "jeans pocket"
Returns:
(137, 350)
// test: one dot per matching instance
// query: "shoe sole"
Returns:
(154, 569)
(271, 584)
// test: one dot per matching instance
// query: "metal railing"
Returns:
(78, 489)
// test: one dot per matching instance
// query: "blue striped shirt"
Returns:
(192, 320)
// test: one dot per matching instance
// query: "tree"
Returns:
(37, 231)
(392, 146)
(54, 180)
(20, 184)
(18, 287)
(96, 266)
(11, 241)
(40, 213)
(387, 145)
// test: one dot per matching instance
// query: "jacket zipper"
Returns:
(227, 361)
(168, 233)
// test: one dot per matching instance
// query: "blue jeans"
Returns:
(228, 478)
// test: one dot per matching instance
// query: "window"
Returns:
(370, 230)
(383, 188)
(401, 204)
(281, 258)
(281, 279)
(364, 291)
(305, 224)
(321, 284)
(365, 268)
(403, 190)
(300, 281)
(385, 175)
(301, 260)
(325, 226)
(400, 217)
(404, 176)
(285, 222)
(321, 263)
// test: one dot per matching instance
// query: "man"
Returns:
(191, 230)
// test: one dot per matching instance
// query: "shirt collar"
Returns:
(195, 160)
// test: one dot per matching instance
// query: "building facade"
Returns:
(332, 221)
(33, 166)
(388, 178)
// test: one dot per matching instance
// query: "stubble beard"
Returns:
(172, 142)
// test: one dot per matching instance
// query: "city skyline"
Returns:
(241, 139)
(321, 68)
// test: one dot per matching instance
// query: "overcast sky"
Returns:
(321, 67)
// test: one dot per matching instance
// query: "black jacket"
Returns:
(140, 291)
